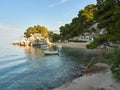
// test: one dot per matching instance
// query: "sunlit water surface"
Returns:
(25, 68)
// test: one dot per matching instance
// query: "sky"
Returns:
(17, 15)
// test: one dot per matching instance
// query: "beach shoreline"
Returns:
(102, 80)
(72, 45)
(98, 80)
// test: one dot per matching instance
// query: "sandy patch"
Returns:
(102, 79)
(72, 44)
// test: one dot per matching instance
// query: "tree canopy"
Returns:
(79, 23)
(108, 16)
(37, 29)
(106, 13)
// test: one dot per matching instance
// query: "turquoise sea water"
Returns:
(25, 68)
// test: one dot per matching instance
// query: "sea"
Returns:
(27, 68)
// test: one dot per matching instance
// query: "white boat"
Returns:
(51, 52)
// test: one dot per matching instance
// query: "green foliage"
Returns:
(97, 41)
(108, 16)
(105, 12)
(76, 41)
(79, 24)
(37, 29)
(65, 31)
(114, 61)
(54, 37)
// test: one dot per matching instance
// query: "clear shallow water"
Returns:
(28, 69)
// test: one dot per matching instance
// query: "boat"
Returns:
(44, 47)
(51, 52)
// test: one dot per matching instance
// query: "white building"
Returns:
(83, 38)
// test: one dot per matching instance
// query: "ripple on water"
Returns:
(22, 70)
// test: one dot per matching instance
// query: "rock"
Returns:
(98, 67)
(101, 65)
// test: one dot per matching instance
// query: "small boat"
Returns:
(44, 47)
(51, 52)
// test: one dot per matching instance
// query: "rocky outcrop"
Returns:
(109, 45)
(95, 32)
(34, 39)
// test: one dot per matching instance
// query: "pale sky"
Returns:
(17, 15)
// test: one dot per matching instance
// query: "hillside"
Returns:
(102, 21)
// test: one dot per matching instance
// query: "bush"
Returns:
(114, 62)
(76, 41)
(98, 41)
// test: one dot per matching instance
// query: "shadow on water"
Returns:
(39, 72)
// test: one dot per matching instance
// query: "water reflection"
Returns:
(29, 69)
(33, 53)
